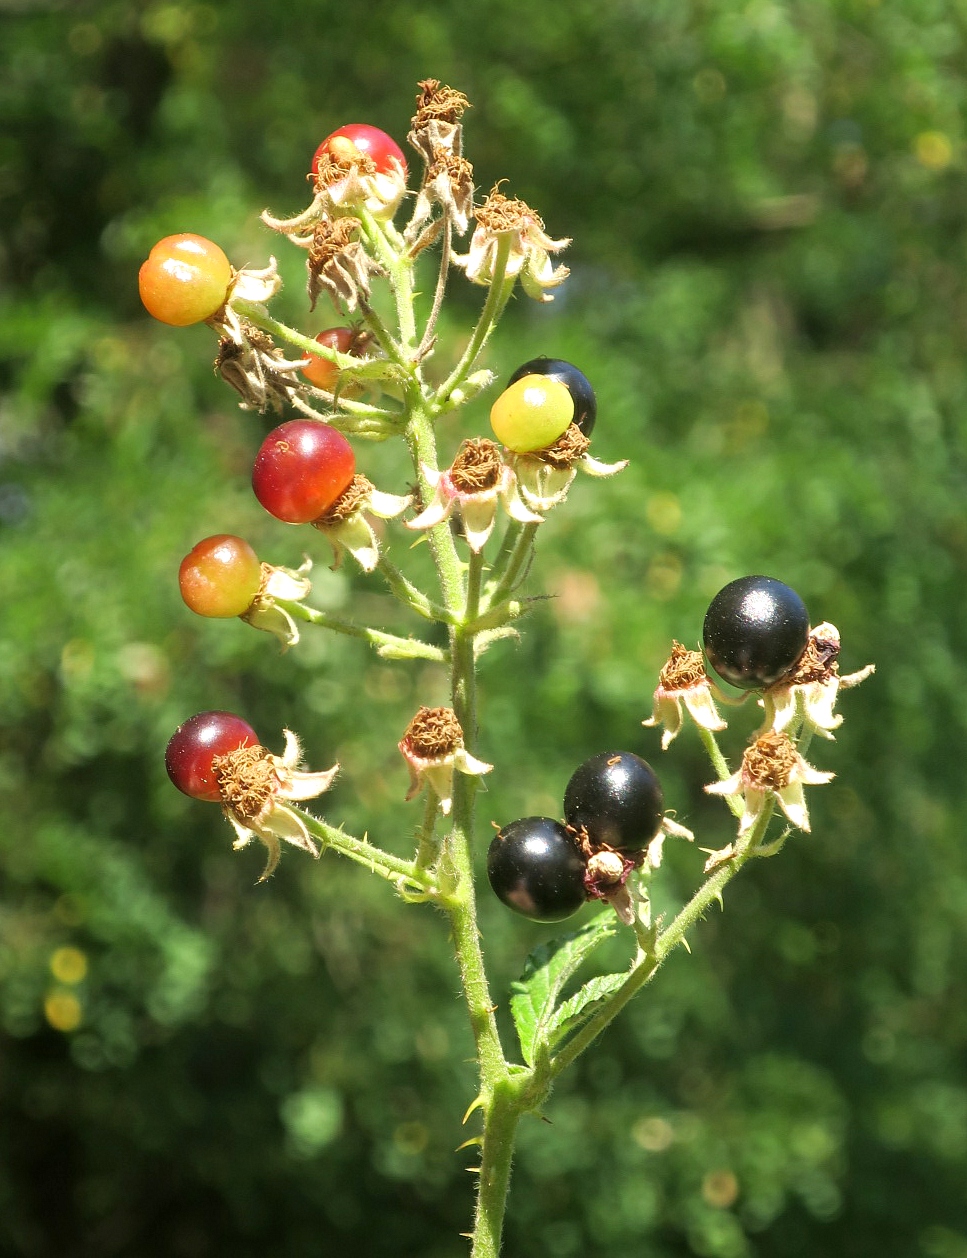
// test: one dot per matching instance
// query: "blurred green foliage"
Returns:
(769, 206)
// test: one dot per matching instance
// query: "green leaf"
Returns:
(576, 1010)
(546, 971)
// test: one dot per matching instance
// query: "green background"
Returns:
(769, 209)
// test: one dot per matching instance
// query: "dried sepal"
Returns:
(432, 747)
(346, 527)
(683, 682)
(545, 476)
(771, 768)
(254, 786)
(501, 218)
(290, 584)
(338, 263)
(813, 686)
(256, 369)
(473, 486)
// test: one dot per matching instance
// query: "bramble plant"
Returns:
(373, 380)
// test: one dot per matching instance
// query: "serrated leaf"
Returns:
(575, 1011)
(546, 971)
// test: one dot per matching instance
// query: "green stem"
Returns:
(441, 284)
(382, 333)
(394, 870)
(721, 766)
(402, 648)
(408, 593)
(519, 556)
(500, 1132)
(420, 439)
(504, 552)
(399, 269)
(257, 315)
(501, 287)
(427, 849)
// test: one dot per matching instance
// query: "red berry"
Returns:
(320, 371)
(184, 280)
(345, 144)
(220, 576)
(194, 745)
(301, 470)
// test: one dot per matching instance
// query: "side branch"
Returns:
(387, 644)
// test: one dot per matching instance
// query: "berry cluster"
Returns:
(613, 809)
(365, 379)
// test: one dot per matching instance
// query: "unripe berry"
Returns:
(184, 280)
(220, 576)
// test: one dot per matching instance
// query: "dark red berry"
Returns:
(194, 745)
(616, 797)
(575, 381)
(536, 868)
(301, 469)
(755, 630)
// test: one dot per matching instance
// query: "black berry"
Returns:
(575, 381)
(617, 799)
(755, 630)
(536, 868)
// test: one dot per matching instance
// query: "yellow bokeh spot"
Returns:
(933, 150)
(720, 1189)
(68, 965)
(664, 576)
(63, 1011)
(653, 1134)
(664, 513)
(411, 1138)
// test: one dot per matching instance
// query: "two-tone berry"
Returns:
(220, 576)
(184, 280)
(197, 743)
(532, 413)
(573, 379)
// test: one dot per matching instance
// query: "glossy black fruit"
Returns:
(576, 382)
(617, 798)
(536, 868)
(755, 630)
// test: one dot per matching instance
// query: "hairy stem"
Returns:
(392, 868)
(720, 765)
(497, 297)
(441, 284)
(500, 1131)
(402, 648)
(516, 562)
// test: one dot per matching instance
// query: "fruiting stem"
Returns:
(646, 963)
(519, 556)
(441, 284)
(382, 333)
(403, 648)
(374, 858)
(408, 593)
(720, 765)
(498, 295)
(427, 849)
